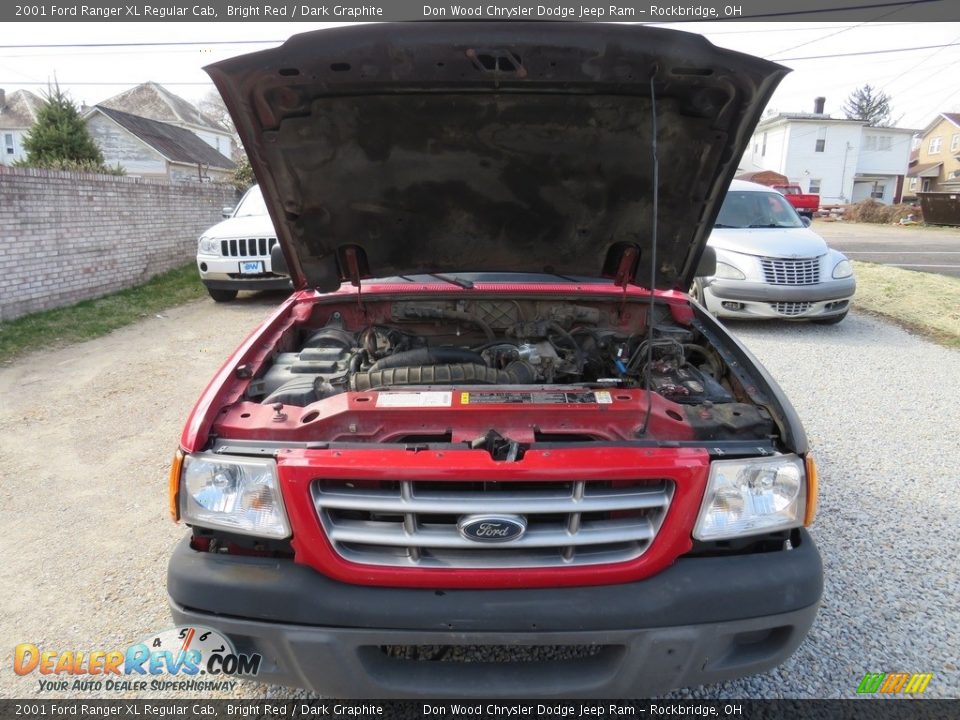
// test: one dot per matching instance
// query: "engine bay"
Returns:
(534, 355)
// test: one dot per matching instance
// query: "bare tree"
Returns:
(212, 106)
(869, 104)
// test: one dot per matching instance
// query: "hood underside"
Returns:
(511, 147)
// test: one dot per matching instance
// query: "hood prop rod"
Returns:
(653, 247)
(353, 268)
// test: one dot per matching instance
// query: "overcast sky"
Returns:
(921, 82)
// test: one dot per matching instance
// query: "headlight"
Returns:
(728, 272)
(751, 496)
(233, 494)
(208, 246)
(843, 269)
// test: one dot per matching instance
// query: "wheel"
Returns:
(696, 290)
(222, 295)
(833, 320)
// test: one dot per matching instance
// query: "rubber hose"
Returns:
(516, 373)
(428, 356)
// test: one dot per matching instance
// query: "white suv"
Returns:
(234, 254)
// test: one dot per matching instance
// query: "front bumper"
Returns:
(702, 620)
(224, 274)
(752, 299)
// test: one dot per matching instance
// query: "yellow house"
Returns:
(937, 164)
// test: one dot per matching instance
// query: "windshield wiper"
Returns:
(721, 225)
(459, 282)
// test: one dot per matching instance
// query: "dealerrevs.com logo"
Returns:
(190, 658)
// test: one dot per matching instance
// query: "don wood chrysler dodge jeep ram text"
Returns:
(490, 424)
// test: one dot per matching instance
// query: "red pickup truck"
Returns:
(489, 446)
(806, 204)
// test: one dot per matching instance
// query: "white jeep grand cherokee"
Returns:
(234, 254)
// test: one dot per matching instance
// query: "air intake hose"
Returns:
(516, 373)
(428, 356)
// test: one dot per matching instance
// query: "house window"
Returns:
(884, 143)
(934, 147)
(8, 143)
(878, 191)
(821, 140)
(870, 143)
(814, 186)
(955, 143)
(763, 150)
(913, 183)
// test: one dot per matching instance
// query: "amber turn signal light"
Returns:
(813, 490)
(173, 488)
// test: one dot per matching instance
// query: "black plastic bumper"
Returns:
(277, 283)
(702, 620)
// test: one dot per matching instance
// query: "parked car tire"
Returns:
(830, 320)
(222, 295)
(696, 290)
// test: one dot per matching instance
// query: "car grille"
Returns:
(791, 308)
(779, 271)
(414, 523)
(247, 247)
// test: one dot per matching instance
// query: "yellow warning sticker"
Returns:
(464, 398)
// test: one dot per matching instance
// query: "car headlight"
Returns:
(241, 495)
(751, 496)
(843, 269)
(208, 246)
(728, 272)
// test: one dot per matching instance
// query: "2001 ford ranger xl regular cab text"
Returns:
(490, 424)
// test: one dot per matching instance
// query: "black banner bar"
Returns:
(866, 709)
(398, 10)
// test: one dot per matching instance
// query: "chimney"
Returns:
(818, 103)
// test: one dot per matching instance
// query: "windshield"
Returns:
(757, 210)
(251, 204)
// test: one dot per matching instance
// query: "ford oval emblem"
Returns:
(492, 528)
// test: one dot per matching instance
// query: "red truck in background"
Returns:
(806, 204)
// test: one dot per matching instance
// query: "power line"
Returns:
(838, 32)
(139, 44)
(865, 52)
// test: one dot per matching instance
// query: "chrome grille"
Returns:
(414, 523)
(247, 247)
(791, 308)
(780, 271)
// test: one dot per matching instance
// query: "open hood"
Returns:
(395, 149)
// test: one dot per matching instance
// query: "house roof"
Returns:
(176, 144)
(925, 170)
(19, 110)
(152, 100)
(815, 117)
(952, 117)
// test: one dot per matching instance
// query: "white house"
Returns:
(149, 148)
(152, 100)
(841, 160)
(18, 112)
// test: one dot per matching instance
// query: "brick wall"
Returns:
(69, 236)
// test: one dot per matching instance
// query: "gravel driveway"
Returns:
(87, 432)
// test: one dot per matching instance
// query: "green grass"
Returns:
(93, 318)
(919, 301)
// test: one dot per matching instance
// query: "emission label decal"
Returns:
(415, 399)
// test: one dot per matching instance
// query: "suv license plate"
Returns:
(251, 267)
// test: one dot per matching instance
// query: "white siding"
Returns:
(12, 140)
(119, 146)
(835, 166)
(884, 152)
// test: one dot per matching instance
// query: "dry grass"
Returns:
(871, 211)
(924, 302)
